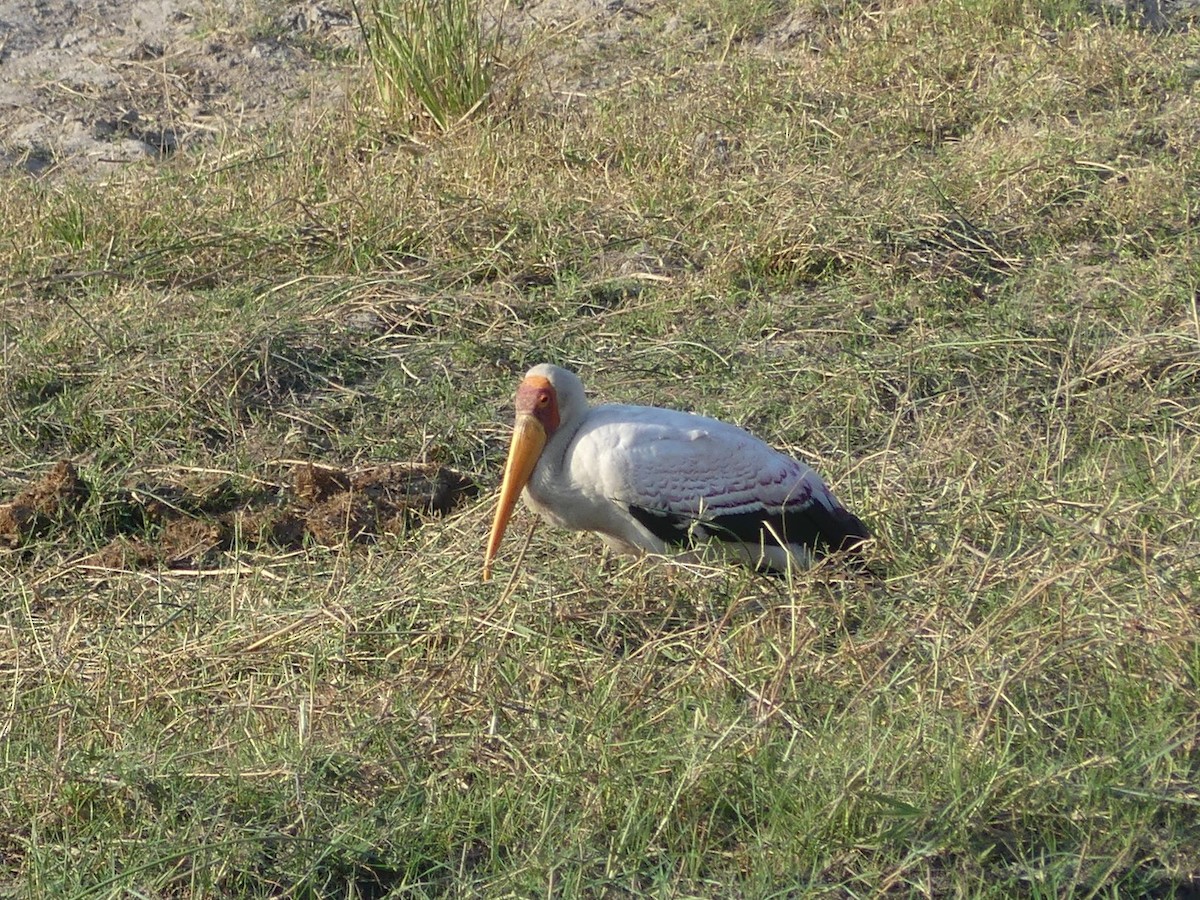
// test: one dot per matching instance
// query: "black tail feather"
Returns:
(840, 531)
(824, 530)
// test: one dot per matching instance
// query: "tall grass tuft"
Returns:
(432, 58)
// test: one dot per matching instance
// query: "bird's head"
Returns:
(547, 398)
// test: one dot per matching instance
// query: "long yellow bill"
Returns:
(529, 437)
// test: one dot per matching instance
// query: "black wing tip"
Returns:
(827, 531)
(668, 528)
(841, 536)
(841, 531)
(843, 541)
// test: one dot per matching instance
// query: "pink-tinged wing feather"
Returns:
(685, 465)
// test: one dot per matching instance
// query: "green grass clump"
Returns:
(944, 251)
(430, 57)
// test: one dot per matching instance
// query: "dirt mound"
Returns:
(191, 525)
(52, 500)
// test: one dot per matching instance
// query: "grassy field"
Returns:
(945, 251)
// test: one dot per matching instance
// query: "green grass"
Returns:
(431, 58)
(945, 251)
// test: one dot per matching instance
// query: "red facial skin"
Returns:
(536, 397)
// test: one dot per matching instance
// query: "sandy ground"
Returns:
(89, 84)
(86, 85)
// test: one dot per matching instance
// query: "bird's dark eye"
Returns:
(543, 400)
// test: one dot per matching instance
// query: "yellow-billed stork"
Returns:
(648, 480)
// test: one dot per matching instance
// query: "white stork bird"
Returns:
(648, 479)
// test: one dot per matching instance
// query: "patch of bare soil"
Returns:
(192, 525)
(51, 501)
(89, 84)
